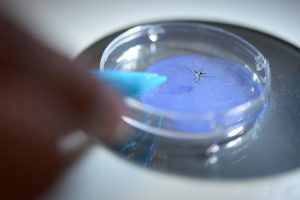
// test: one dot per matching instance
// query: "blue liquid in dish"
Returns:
(225, 85)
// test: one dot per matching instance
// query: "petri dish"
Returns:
(218, 83)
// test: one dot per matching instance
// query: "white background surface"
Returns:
(70, 26)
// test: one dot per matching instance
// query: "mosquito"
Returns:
(198, 75)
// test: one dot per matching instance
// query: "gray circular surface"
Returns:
(271, 147)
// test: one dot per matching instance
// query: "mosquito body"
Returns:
(198, 75)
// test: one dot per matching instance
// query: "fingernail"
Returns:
(73, 144)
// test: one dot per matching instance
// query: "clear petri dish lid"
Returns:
(218, 83)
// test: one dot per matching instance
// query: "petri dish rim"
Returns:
(237, 110)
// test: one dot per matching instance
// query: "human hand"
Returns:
(43, 97)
